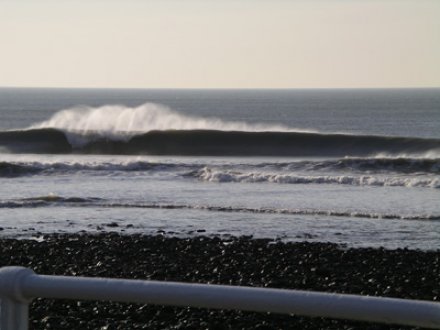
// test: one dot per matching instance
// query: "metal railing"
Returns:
(19, 285)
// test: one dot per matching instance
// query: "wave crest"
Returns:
(121, 122)
(352, 166)
(222, 176)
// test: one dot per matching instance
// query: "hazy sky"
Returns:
(220, 43)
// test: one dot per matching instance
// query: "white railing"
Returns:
(18, 285)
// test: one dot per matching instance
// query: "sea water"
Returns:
(357, 167)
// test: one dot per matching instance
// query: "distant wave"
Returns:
(53, 200)
(152, 129)
(217, 143)
(214, 175)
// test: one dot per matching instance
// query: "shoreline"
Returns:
(33, 233)
(327, 267)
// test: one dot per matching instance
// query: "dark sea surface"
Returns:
(358, 167)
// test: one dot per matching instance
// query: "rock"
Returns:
(229, 260)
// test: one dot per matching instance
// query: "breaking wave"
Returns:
(213, 175)
(119, 122)
(230, 171)
(155, 130)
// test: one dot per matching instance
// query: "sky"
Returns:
(220, 44)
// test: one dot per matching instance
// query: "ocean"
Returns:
(354, 167)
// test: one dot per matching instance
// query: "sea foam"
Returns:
(117, 119)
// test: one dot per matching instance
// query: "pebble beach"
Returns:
(245, 261)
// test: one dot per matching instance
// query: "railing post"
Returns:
(14, 305)
(14, 315)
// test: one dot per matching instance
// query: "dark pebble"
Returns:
(228, 260)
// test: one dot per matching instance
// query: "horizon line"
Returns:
(219, 88)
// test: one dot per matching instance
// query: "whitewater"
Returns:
(360, 167)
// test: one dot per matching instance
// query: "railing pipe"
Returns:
(374, 309)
